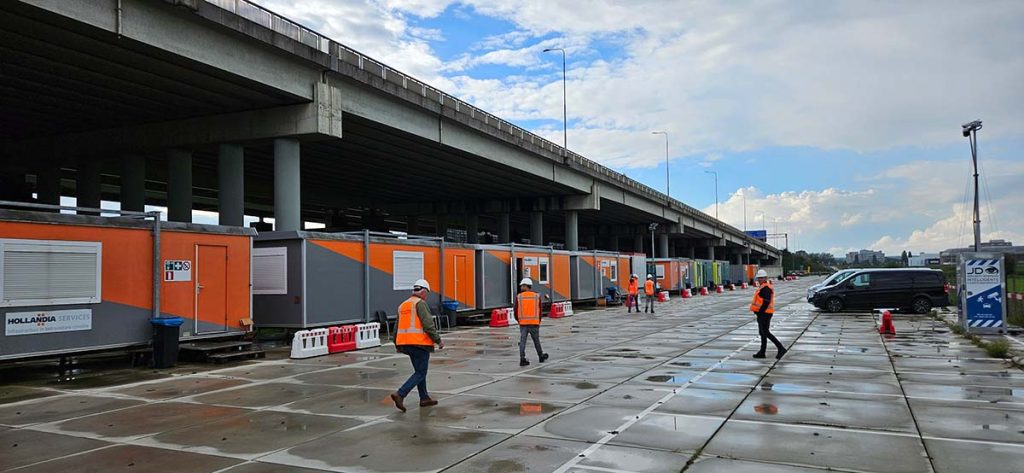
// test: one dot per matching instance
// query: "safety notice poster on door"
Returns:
(177, 270)
(983, 281)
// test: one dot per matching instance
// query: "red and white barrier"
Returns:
(309, 343)
(500, 317)
(663, 296)
(685, 294)
(341, 339)
(368, 335)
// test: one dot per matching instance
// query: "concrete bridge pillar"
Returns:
(711, 252)
(536, 228)
(133, 183)
(231, 185)
(179, 186)
(692, 253)
(287, 184)
(88, 184)
(663, 245)
(572, 242)
(503, 232)
(472, 228)
(48, 183)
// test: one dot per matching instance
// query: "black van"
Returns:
(916, 289)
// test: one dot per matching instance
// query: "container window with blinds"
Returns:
(45, 273)
(270, 270)
(408, 267)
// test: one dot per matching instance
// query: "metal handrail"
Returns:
(309, 37)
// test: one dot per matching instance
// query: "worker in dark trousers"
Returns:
(527, 312)
(633, 300)
(763, 306)
(649, 291)
(416, 336)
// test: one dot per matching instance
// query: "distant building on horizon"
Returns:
(865, 257)
(952, 255)
(923, 259)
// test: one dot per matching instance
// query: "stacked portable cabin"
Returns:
(75, 283)
(314, 279)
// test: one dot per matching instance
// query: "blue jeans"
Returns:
(420, 358)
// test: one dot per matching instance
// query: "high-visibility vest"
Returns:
(410, 329)
(634, 287)
(649, 287)
(757, 302)
(529, 308)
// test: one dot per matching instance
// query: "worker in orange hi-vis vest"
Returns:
(649, 293)
(763, 306)
(416, 336)
(527, 312)
(633, 300)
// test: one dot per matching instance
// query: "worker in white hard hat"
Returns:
(527, 312)
(633, 299)
(763, 306)
(649, 291)
(416, 336)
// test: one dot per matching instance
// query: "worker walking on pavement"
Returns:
(649, 293)
(527, 312)
(763, 305)
(633, 299)
(416, 336)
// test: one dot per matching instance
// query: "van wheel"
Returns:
(834, 305)
(922, 305)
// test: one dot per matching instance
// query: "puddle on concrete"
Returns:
(783, 388)
(586, 385)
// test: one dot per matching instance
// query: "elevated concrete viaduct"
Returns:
(223, 106)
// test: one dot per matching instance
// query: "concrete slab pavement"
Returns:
(674, 392)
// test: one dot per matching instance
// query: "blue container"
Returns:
(450, 305)
(165, 341)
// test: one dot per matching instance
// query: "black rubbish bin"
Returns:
(165, 341)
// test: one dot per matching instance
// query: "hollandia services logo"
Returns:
(28, 323)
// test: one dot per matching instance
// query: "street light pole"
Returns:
(565, 106)
(667, 188)
(970, 131)
(653, 226)
(764, 225)
(716, 191)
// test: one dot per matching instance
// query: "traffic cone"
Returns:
(887, 326)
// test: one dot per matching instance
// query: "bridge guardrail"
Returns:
(313, 39)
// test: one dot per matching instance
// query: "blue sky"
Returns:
(841, 119)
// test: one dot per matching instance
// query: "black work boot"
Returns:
(759, 354)
(524, 362)
(544, 358)
(782, 351)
